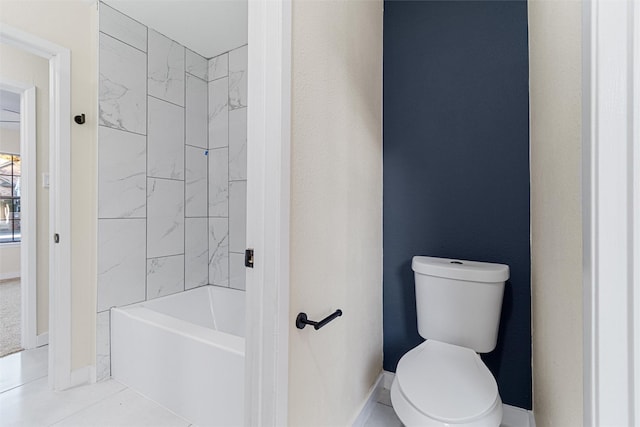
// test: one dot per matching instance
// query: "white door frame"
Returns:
(28, 221)
(611, 212)
(268, 198)
(60, 198)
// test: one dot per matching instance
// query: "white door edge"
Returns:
(268, 198)
(611, 213)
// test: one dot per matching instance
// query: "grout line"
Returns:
(209, 96)
(166, 256)
(123, 42)
(193, 75)
(44, 375)
(91, 405)
(219, 78)
(122, 130)
(109, 314)
(127, 16)
(160, 99)
(25, 383)
(228, 179)
(146, 204)
(184, 193)
(195, 146)
(227, 52)
(125, 218)
(165, 179)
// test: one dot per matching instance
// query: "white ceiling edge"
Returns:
(208, 27)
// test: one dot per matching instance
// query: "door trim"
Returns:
(60, 198)
(611, 208)
(268, 198)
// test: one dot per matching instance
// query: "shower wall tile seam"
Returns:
(195, 146)
(195, 77)
(228, 178)
(164, 100)
(146, 236)
(122, 41)
(164, 178)
(184, 193)
(121, 217)
(218, 78)
(126, 17)
(122, 130)
(207, 172)
(165, 256)
(227, 52)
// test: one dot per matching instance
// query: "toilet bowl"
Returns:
(443, 381)
(440, 384)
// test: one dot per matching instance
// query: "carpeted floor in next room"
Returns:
(9, 316)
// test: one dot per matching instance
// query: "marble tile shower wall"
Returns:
(227, 76)
(172, 169)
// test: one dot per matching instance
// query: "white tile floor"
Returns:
(107, 403)
(383, 414)
(26, 400)
(23, 367)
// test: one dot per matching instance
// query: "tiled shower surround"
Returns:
(172, 169)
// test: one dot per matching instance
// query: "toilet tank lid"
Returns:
(456, 269)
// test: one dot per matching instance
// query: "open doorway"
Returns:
(10, 174)
(24, 216)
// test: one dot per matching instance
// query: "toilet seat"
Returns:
(442, 383)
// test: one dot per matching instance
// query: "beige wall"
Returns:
(18, 65)
(556, 219)
(336, 208)
(73, 24)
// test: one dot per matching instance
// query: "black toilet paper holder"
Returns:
(302, 320)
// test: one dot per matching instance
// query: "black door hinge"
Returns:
(248, 258)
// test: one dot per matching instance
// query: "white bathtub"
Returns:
(186, 352)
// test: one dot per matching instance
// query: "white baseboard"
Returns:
(10, 275)
(367, 406)
(42, 339)
(81, 376)
(93, 375)
(512, 415)
(388, 379)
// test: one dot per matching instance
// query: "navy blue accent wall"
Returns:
(456, 163)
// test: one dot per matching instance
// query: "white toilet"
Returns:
(443, 381)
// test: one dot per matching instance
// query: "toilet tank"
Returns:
(459, 302)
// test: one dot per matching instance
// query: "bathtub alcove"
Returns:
(171, 211)
(186, 352)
